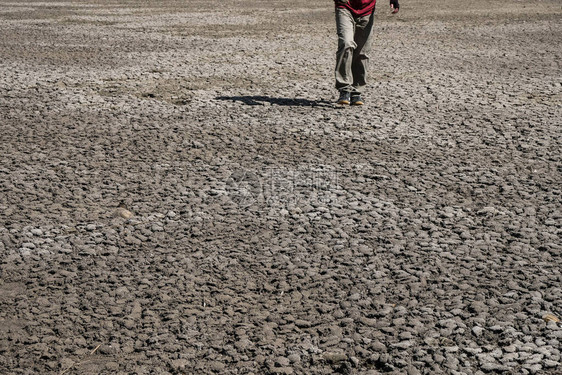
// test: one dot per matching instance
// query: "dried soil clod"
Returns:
(123, 212)
(551, 318)
(335, 358)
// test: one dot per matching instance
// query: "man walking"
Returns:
(354, 24)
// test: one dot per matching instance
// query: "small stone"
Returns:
(403, 344)
(65, 250)
(24, 252)
(378, 347)
(406, 335)
(110, 250)
(451, 361)
(496, 353)
(490, 366)
(66, 363)
(367, 321)
(477, 330)
(510, 357)
(123, 212)
(496, 328)
(109, 349)
(478, 307)
(51, 364)
(303, 323)
(294, 358)
(282, 362)
(243, 344)
(87, 251)
(473, 351)
(281, 370)
(533, 369)
(216, 366)
(544, 351)
(523, 355)
(535, 358)
(31, 340)
(510, 349)
(112, 366)
(334, 358)
(485, 358)
(438, 358)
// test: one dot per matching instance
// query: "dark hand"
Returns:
(394, 6)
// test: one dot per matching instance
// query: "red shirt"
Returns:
(359, 8)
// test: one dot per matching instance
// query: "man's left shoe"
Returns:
(357, 100)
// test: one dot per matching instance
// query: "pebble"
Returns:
(123, 213)
(216, 366)
(334, 358)
(403, 344)
(112, 366)
(490, 366)
(533, 368)
(551, 364)
(281, 370)
(294, 358)
(282, 361)
(477, 330)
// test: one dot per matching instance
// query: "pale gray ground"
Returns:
(272, 231)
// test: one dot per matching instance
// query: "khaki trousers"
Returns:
(354, 43)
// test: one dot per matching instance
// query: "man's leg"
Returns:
(346, 45)
(359, 65)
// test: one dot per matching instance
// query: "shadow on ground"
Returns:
(261, 100)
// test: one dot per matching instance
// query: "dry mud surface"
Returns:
(271, 231)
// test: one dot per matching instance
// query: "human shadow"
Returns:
(290, 102)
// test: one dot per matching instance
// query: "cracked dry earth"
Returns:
(179, 195)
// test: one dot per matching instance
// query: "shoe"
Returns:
(357, 100)
(345, 98)
(394, 6)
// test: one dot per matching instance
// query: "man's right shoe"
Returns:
(357, 100)
(345, 98)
